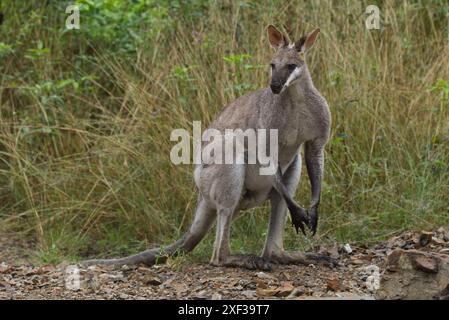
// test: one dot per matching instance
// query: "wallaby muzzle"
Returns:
(276, 87)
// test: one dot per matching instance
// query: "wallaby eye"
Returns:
(292, 67)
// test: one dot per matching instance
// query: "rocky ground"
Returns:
(413, 256)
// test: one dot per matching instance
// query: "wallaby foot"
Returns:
(246, 261)
(297, 257)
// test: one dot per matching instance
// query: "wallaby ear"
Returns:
(306, 42)
(277, 39)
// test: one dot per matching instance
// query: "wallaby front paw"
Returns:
(313, 219)
(299, 218)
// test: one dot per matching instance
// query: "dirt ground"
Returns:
(356, 277)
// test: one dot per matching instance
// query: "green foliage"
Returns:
(442, 87)
(239, 63)
(5, 49)
(38, 53)
(120, 24)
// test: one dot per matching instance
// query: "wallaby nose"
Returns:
(275, 87)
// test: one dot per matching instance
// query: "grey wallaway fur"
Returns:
(294, 107)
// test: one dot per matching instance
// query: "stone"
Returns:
(443, 234)
(216, 296)
(3, 267)
(424, 238)
(414, 274)
(248, 293)
(263, 275)
(347, 248)
(425, 263)
(296, 293)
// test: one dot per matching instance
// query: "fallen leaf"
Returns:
(266, 292)
(46, 269)
(151, 281)
(334, 284)
(261, 284)
(285, 289)
(356, 261)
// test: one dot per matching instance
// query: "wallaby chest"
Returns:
(295, 122)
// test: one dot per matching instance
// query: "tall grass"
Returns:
(86, 116)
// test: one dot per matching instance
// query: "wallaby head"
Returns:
(288, 62)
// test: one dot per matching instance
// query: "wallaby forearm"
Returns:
(314, 157)
(297, 212)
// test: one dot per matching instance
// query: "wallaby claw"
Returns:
(313, 219)
(299, 218)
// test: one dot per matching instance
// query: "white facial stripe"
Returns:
(292, 77)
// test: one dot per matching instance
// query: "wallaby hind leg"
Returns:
(274, 247)
(298, 214)
(274, 243)
(221, 255)
(202, 222)
(221, 246)
(225, 187)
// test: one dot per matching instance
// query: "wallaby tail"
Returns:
(148, 257)
(204, 218)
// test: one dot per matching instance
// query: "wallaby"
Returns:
(294, 107)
